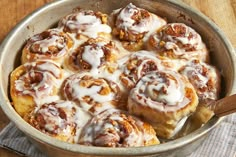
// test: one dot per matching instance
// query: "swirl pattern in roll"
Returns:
(136, 65)
(133, 25)
(205, 79)
(116, 128)
(178, 41)
(86, 24)
(33, 84)
(61, 119)
(163, 98)
(93, 55)
(94, 94)
(51, 44)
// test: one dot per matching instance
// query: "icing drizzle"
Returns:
(115, 128)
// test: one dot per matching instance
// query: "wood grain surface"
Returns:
(222, 12)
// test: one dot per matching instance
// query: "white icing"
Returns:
(173, 94)
(42, 45)
(79, 92)
(125, 16)
(42, 90)
(145, 58)
(149, 92)
(194, 41)
(114, 77)
(76, 118)
(147, 25)
(194, 72)
(49, 99)
(102, 125)
(93, 56)
(46, 43)
(47, 66)
(93, 31)
(19, 85)
(155, 25)
(191, 39)
(86, 24)
(86, 19)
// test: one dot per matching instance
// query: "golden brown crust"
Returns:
(31, 83)
(133, 46)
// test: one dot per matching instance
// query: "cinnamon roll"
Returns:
(86, 24)
(62, 120)
(204, 78)
(136, 65)
(34, 83)
(132, 25)
(164, 99)
(178, 41)
(92, 93)
(51, 44)
(116, 128)
(93, 55)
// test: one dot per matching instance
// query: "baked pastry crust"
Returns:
(133, 67)
(33, 83)
(93, 94)
(92, 55)
(178, 41)
(60, 119)
(163, 98)
(51, 44)
(204, 78)
(86, 24)
(116, 128)
(132, 25)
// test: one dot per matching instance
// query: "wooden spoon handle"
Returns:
(205, 112)
(224, 106)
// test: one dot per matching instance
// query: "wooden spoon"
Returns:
(223, 106)
(205, 112)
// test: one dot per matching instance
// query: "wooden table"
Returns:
(222, 12)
